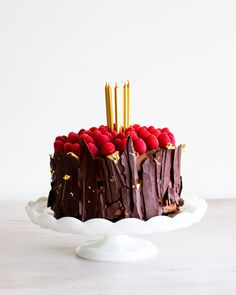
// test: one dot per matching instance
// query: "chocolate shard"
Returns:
(135, 183)
(125, 191)
(64, 195)
(112, 179)
(89, 185)
(177, 179)
(102, 176)
(152, 205)
(157, 157)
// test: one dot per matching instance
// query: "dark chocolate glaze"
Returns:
(116, 187)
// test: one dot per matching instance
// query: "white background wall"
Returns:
(56, 55)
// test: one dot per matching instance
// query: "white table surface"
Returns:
(198, 260)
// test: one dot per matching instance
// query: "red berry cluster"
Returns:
(103, 142)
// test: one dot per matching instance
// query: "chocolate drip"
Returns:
(116, 187)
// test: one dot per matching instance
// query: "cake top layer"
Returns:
(103, 142)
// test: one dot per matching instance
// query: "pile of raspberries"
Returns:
(102, 142)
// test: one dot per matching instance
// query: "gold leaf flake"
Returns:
(136, 185)
(66, 177)
(73, 155)
(114, 157)
(170, 146)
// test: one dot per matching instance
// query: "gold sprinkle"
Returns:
(170, 146)
(114, 157)
(112, 179)
(88, 201)
(71, 194)
(183, 146)
(73, 155)
(136, 185)
(66, 177)
(91, 188)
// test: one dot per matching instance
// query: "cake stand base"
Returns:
(117, 248)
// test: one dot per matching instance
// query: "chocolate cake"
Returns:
(116, 172)
(116, 186)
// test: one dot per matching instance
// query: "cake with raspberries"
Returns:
(131, 172)
(101, 174)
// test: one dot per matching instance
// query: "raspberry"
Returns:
(101, 140)
(58, 146)
(108, 149)
(123, 145)
(140, 146)
(62, 138)
(136, 127)
(143, 132)
(96, 134)
(163, 139)
(93, 149)
(107, 133)
(132, 134)
(92, 129)
(151, 142)
(165, 130)
(131, 128)
(172, 138)
(76, 148)
(81, 131)
(86, 138)
(121, 135)
(67, 147)
(155, 132)
(89, 132)
(114, 133)
(151, 128)
(117, 142)
(73, 137)
(103, 128)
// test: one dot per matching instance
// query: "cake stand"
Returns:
(117, 241)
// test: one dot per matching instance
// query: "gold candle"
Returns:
(128, 104)
(110, 108)
(107, 103)
(125, 106)
(116, 108)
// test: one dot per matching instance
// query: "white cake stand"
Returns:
(119, 241)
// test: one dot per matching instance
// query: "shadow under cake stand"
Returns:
(118, 241)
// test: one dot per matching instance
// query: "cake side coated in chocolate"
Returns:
(116, 186)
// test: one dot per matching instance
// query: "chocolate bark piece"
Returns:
(64, 195)
(157, 157)
(102, 176)
(149, 187)
(125, 191)
(135, 183)
(89, 183)
(177, 179)
(112, 180)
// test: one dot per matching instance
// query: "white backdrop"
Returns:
(55, 57)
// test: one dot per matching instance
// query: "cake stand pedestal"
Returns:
(118, 241)
(117, 248)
